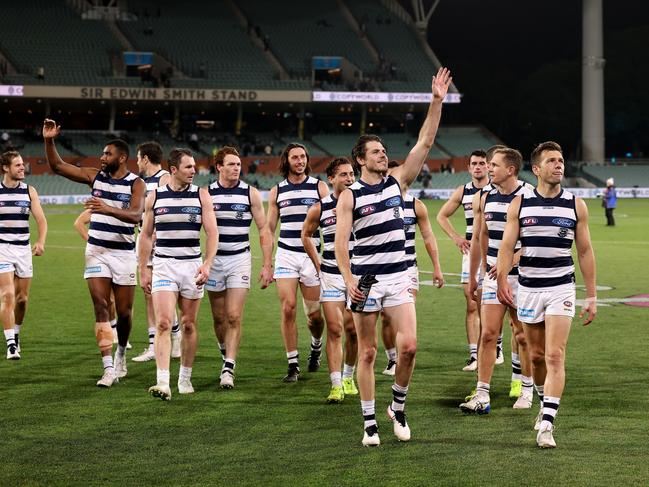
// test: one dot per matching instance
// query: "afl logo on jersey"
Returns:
(329, 221)
(367, 210)
(308, 201)
(396, 201)
(468, 206)
(529, 221)
(217, 206)
(97, 192)
(284, 203)
(161, 211)
(563, 222)
(488, 216)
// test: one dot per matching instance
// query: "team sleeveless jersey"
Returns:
(378, 228)
(15, 208)
(495, 215)
(233, 217)
(177, 219)
(467, 204)
(547, 230)
(152, 182)
(293, 201)
(105, 231)
(410, 228)
(328, 262)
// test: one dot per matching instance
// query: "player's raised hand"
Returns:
(441, 82)
(50, 129)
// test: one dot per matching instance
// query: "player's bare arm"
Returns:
(344, 219)
(145, 243)
(211, 233)
(443, 218)
(310, 225)
(130, 214)
(84, 175)
(265, 238)
(430, 242)
(505, 259)
(41, 222)
(81, 224)
(586, 258)
(409, 170)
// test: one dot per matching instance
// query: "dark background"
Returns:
(518, 65)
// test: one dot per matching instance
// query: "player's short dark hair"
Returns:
(333, 165)
(152, 150)
(512, 157)
(489, 154)
(6, 158)
(360, 149)
(224, 151)
(283, 158)
(176, 154)
(120, 145)
(535, 158)
(478, 153)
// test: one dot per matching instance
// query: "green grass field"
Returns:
(59, 429)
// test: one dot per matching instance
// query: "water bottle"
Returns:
(364, 285)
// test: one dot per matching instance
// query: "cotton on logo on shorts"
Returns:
(161, 283)
(211, 282)
(93, 269)
(526, 312)
(282, 270)
(488, 295)
(331, 293)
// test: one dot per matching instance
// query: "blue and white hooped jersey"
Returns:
(178, 218)
(233, 217)
(15, 208)
(410, 228)
(378, 228)
(467, 205)
(293, 201)
(547, 230)
(328, 262)
(105, 231)
(495, 215)
(152, 182)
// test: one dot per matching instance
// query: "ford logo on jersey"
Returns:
(409, 221)
(161, 211)
(563, 222)
(526, 222)
(284, 203)
(239, 207)
(367, 210)
(396, 201)
(191, 209)
(22, 203)
(124, 197)
(308, 201)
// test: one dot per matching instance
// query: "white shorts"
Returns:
(16, 259)
(390, 291)
(332, 288)
(490, 289)
(229, 272)
(295, 265)
(413, 274)
(119, 266)
(176, 275)
(533, 304)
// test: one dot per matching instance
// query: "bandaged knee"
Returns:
(310, 307)
(104, 336)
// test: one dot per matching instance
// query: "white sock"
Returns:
(482, 389)
(369, 414)
(113, 323)
(185, 373)
(107, 361)
(17, 328)
(348, 371)
(392, 354)
(163, 376)
(10, 337)
(336, 379)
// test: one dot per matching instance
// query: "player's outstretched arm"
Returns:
(430, 242)
(408, 171)
(265, 238)
(211, 232)
(84, 175)
(81, 224)
(506, 252)
(586, 258)
(310, 225)
(443, 218)
(130, 214)
(41, 222)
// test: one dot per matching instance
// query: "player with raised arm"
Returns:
(463, 196)
(288, 202)
(372, 208)
(236, 205)
(547, 221)
(116, 203)
(17, 201)
(333, 294)
(177, 211)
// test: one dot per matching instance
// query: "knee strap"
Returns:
(104, 336)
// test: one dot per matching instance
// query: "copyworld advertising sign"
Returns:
(379, 97)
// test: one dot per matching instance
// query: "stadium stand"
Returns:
(461, 141)
(624, 176)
